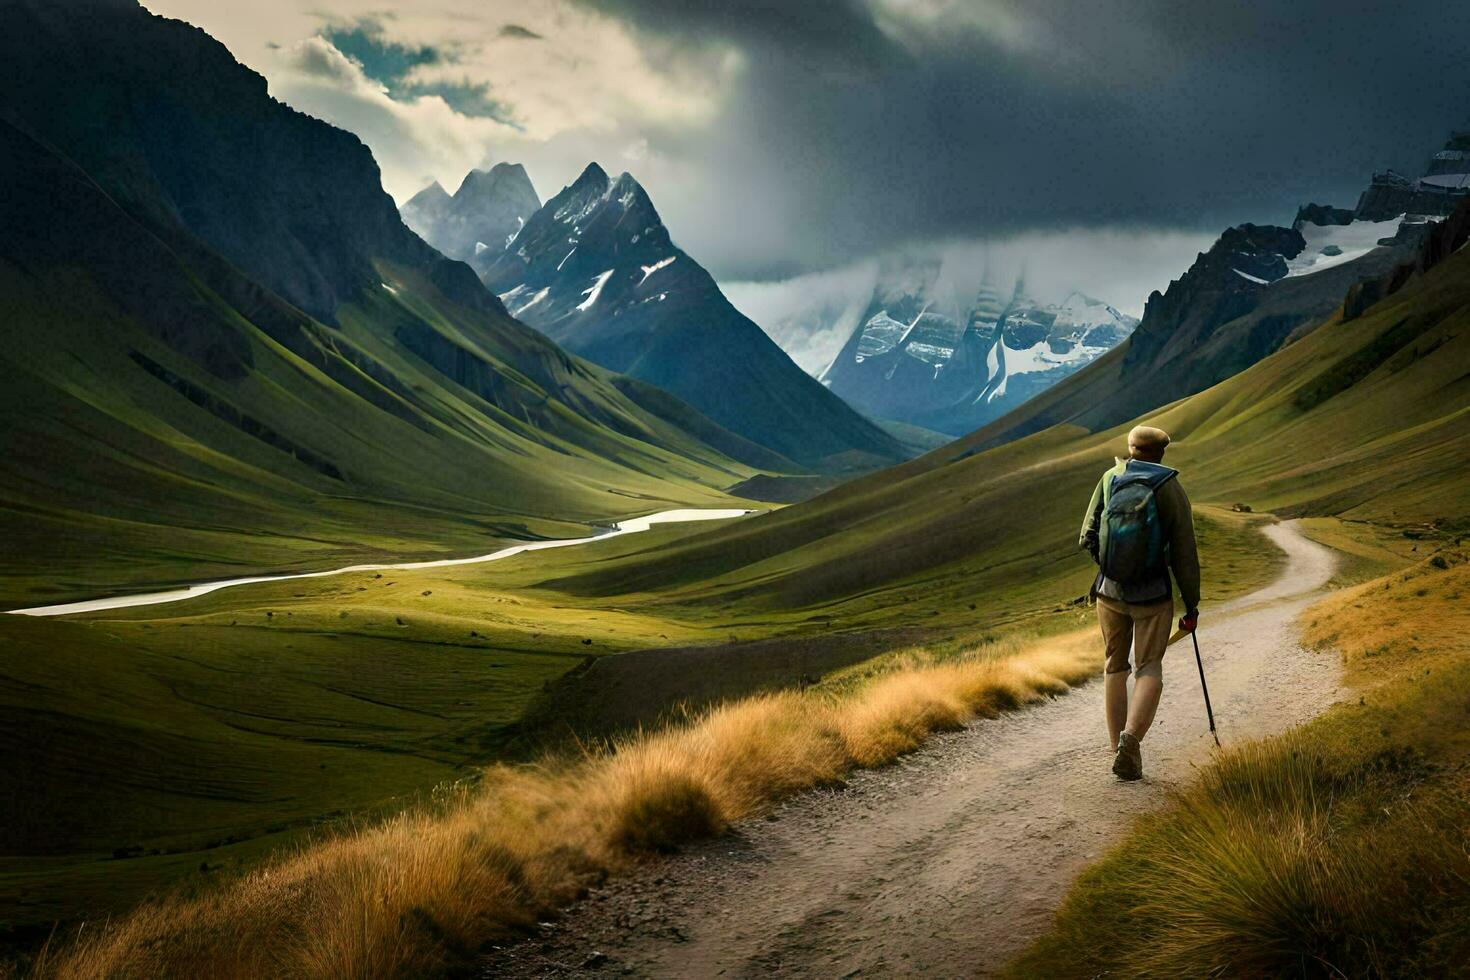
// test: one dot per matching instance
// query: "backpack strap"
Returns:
(1154, 475)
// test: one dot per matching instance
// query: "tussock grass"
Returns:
(421, 892)
(1339, 849)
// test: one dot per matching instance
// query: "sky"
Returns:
(783, 140)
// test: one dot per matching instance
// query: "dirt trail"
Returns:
(951, 861)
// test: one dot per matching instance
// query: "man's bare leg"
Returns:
(1115, 699)
(1146, 693)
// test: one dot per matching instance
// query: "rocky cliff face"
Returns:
(596, 270)
(171, 126)
(1222, 284)
(1257, 288)
(1445, 182)
(1437, 242)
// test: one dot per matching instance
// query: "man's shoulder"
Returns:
(1171, 491)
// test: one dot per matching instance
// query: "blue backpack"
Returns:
(1135, 549)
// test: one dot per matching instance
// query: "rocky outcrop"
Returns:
(1439, 241)
(1390, 195)
(1322, 214)
(1223, 283)
(180, 134)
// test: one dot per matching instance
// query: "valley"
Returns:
(390, 581)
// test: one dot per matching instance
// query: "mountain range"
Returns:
(1257, 289)
(225, 350)
(922, 356)
(596, 270)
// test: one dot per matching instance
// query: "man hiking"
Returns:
(1139, 528)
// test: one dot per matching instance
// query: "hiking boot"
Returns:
(1128, 763)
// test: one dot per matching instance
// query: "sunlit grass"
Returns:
(421, 892)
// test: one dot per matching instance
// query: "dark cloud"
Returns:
(392, 64)
(366, 42)
(519, 32)
(465, 97)
(861, 124)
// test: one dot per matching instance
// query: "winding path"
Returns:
(633, 525)
(951, 861)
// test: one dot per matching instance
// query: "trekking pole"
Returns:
(1204, 687)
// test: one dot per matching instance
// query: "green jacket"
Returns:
(1183, 554)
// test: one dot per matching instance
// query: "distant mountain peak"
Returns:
(591, 174)
(595, 269)
(482, 217)
(918, 355)
(503, 179)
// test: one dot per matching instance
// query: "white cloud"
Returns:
(810, 316)
(1118, 265)
(410, 139)
(585, 84)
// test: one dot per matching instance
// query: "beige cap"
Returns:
(1148, 440)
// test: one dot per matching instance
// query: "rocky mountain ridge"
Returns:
(596, 270)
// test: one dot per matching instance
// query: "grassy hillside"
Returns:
(168, 420)
(1338, 849)
(1363, 420)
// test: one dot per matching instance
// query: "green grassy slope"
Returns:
(148, 742)
(1367, 419)
(166, 419)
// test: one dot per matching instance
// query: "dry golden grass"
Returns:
(418, 894)
(1379, 625)
(1338, 849)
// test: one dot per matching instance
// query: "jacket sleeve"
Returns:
(1178, 519)
(1088, 539)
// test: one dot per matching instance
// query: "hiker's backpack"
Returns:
(1135, 549)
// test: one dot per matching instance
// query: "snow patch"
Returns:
(1254, 279)
(594, 291)
(564, 258)
(649, 270)
(389, 288)
(1355, 240)
(880, 334)
(540, 295)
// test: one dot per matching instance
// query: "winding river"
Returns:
(632, 525)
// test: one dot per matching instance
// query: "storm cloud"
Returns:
(921, 119)
(780, 138)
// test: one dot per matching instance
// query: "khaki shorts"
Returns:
(1145, 628)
